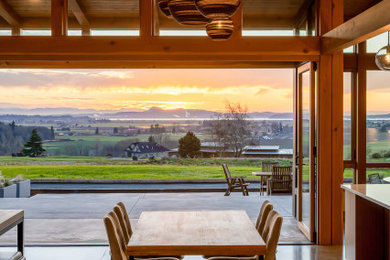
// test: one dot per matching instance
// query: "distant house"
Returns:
(266, 151)
(214, 149)
(208, 150)
(146, 150)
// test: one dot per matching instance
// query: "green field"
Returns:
(68, 167)
(78, 167)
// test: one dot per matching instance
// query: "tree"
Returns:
(97, 131)
(189, 146)
(52, 135)
(33, 147)
(115, 131)
(151, 139)
(232, 128)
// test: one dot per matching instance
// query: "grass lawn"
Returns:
(73, 167)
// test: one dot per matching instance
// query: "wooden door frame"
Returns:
(298, 104)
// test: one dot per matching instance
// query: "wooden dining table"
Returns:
(173, 233)
(10, 219)
(264, 176)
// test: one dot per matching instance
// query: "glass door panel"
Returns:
(303, 149)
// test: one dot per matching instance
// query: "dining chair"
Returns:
(126, 217)
(121, 217)
(265, 209)
(115, 237)
(271, 238)
(118, 218)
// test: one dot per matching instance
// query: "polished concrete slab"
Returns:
(77, 218)
(102, 253)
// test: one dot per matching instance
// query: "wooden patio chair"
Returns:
(376, 178)
(281, 180)
(266, 167)
(234, 182)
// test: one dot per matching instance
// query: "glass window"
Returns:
(378, 116)
(114, 32)
(348, 175)
(373, 175)
(374, 44)
(347, 116)
(5, 32)
(36, 32)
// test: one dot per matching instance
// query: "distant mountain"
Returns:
(379, 116)
(54, 111)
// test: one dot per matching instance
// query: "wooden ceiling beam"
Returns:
(196, 48)
(59, 17)
(9, 14)
(368, 24)
(79, 12)
(142, 64)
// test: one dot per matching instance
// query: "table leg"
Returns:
(131, 257)
(21, 237)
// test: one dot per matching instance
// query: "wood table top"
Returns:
(228, 232)
(8, 217)
(262, 173)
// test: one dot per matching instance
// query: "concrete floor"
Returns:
(102, 253)
(77, 218)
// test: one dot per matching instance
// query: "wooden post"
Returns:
(361, 116)
(330, 132)
(59, 17)
(147, 14)
(237, 21)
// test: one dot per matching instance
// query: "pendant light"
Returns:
(382, 57)
(220, 28)
(163, 5)
(217, 8)
(185, 12)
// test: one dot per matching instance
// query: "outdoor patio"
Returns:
(76, 219)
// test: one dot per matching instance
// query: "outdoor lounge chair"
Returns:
(375, 178)
(281, 180)
(271, 238)
(234, 182)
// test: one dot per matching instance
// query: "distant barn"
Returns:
(146, 150)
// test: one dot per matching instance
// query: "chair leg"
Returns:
(228, 191)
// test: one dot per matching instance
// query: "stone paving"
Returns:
(77, 218)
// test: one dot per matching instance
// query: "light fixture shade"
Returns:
(163, 4)
(220, 29)
(217, 8)
(382, 58)
(185, 12)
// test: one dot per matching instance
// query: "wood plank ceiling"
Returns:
(123, 14)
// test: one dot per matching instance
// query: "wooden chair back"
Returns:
(119, 213)
(268, 166)
(272, 237)
(228, 176)
(126, 218)
(281, 178)
(115, 237)
(265, 209)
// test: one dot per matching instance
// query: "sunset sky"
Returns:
(140, 89)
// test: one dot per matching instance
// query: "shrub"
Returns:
(376, 156)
